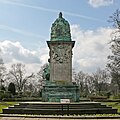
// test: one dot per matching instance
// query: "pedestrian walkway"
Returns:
(24, 118)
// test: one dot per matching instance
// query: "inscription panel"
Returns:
(61, 61)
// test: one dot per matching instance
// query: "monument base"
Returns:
(54, 92)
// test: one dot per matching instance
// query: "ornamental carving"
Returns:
(61, 54)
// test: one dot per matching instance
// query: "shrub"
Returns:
(116, 96)
(11, 88)
(23, 99)
(3, 88)
(1, 95)
(98, 98)
(4, 95)
(108, 94)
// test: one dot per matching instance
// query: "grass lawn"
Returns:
(5, 105)
(113, 105)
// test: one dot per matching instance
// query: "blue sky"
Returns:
(28, 22)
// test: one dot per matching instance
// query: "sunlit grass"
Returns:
(6, 104)
(113, 105)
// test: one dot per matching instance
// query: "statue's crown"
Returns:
(60, 30)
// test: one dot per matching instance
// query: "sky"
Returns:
(25, 27)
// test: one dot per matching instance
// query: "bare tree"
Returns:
(114, 59)
(18, 75)
(100, 80)
(81, 79)
(41, 77)
(90, 84)
(3, 73)
(115, 19)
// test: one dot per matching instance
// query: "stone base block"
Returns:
(54, 92)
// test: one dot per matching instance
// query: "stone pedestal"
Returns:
(61, 60)
(54, 92)
(60, 84)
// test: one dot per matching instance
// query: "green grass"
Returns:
(113, 105)
(5, 105)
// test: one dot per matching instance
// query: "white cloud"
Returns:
(14, 52)
(90, 51)
(91, 48)
(98, 3)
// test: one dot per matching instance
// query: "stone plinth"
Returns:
(61, 60)
(54, 92)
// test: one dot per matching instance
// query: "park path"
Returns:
(23, 118)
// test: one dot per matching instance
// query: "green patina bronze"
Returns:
(46, 73)
(58, 73)
(60, 30)
(54, 92)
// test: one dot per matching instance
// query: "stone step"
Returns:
(52, 104)
(59, 105)
(54, 107)
(59, 108)
(60, 111)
